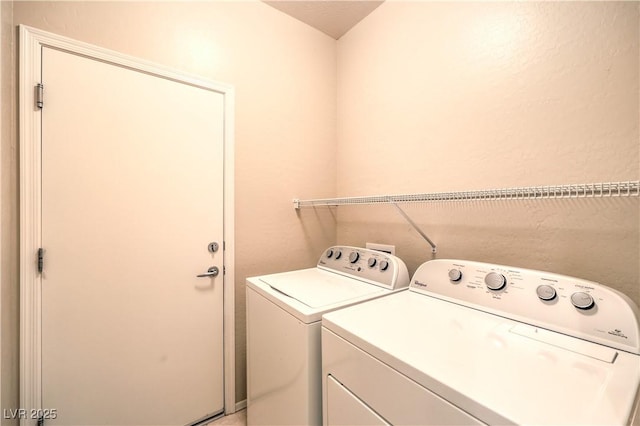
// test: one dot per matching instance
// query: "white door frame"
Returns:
(31, 43)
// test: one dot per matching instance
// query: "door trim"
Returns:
(32, 41)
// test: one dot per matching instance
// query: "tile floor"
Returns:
(238, 418)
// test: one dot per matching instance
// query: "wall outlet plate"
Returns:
(387, 248)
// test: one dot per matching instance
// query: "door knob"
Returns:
(211, 272)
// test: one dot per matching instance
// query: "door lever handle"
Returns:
(211, 272)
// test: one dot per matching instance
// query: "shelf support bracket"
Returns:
(418, 230)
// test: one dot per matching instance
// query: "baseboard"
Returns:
(241, 405)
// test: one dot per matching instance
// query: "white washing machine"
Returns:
(284, 313)
(476, 343)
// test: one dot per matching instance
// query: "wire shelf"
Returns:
(585, 190)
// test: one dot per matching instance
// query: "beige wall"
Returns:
(9, 326)
(438, 96)
(284, 75)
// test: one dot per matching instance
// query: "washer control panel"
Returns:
(368, 265)
(568, 305)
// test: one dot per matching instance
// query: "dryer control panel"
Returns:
(568, 305)
(372, 266)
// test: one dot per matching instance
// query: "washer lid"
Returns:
(316, 288)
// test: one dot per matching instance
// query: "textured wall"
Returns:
(9, 326)
(438, 96)
(284, 75)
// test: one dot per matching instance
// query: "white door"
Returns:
(132, 194)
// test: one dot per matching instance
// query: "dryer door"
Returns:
(344, 408)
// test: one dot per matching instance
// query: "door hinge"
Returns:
(40, 260)
(39, 95)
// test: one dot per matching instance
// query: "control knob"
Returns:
(582, 300)
(372, 262)
(495, 281)
(455, 275)
(329, 253)
(338, 254)
(354, 256)
(384, 265)
(546, 292)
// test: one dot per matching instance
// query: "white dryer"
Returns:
(477, 343)
(284, 313)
